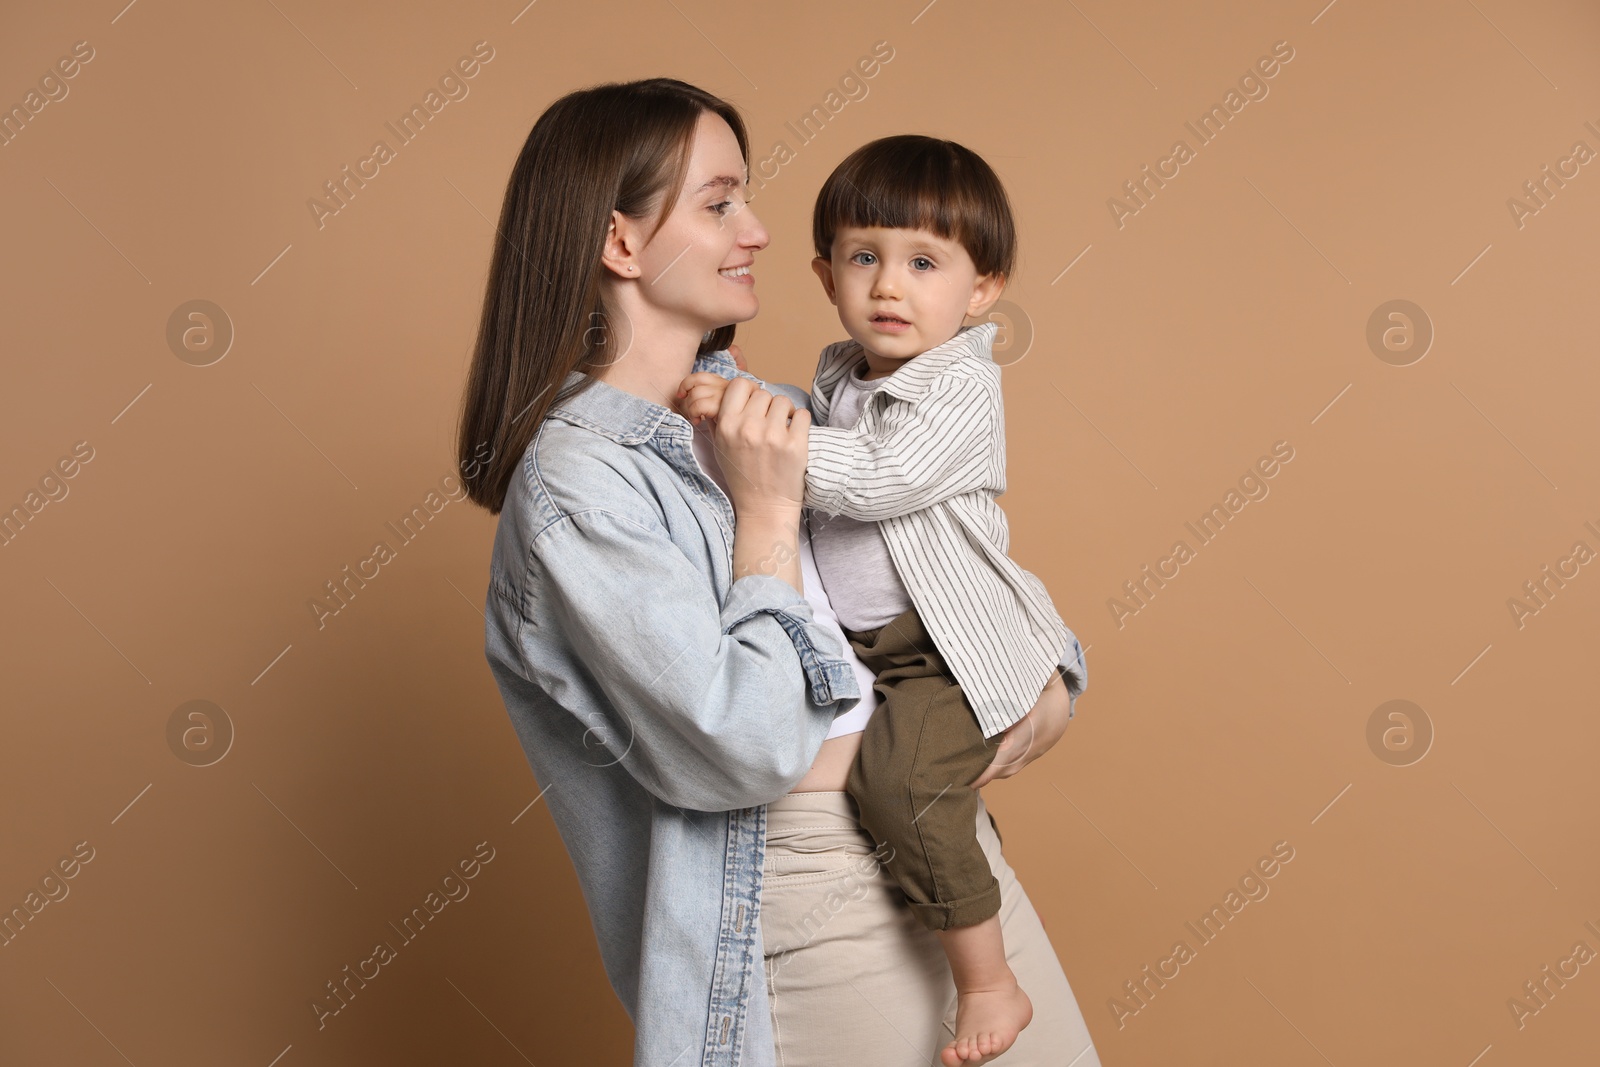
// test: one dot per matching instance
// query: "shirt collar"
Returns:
(619, 415)
(913, 377)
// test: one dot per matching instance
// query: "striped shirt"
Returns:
(926, 460)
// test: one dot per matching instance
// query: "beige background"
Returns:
(1229, 313)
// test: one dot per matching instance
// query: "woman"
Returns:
(648, 611)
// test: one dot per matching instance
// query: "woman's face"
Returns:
(697, 267)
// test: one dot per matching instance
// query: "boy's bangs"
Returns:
(916, 200)
(912, 182)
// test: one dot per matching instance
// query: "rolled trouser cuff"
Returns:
(968, 911)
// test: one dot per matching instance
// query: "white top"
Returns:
(854, 720)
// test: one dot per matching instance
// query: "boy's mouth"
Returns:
(893, 320)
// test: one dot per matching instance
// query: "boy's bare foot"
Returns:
(987, 1023)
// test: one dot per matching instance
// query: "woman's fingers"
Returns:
(755, 411)
(739, 402)
(780, 409)
(741, 394)
(1032, 735)
(1002, 766)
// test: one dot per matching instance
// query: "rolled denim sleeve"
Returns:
(709, 706)
(827, 673)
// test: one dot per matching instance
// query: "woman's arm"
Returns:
(708, 706)
(766, 536)
(1033, 735)
(760, 447)
(1037, 732)
(700, 699)
(768, 542)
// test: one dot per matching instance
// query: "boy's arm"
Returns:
(940, 448)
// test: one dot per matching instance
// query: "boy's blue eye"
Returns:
(865, 263)
(922, 260)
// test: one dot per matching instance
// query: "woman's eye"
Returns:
(722, 207)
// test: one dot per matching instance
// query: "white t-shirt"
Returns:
(854, 720)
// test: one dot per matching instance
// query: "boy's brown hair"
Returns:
(913, 182)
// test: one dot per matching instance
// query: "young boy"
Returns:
(906, 455)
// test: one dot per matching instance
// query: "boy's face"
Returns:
(902, 292)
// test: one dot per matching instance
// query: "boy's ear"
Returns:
(985, 291)
(824, 270)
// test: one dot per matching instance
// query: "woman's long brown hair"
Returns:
(620, 146)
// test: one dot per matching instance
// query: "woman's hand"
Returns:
(1031, 736)
(761, 441)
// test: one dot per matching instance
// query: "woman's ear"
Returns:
(619, 253)
(985, 291)
(824, 271)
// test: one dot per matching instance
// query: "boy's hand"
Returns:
(700, 396)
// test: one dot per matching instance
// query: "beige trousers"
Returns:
(852, 975)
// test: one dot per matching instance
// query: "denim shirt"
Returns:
(661, 704)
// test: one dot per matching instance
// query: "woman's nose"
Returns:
(752, 234)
